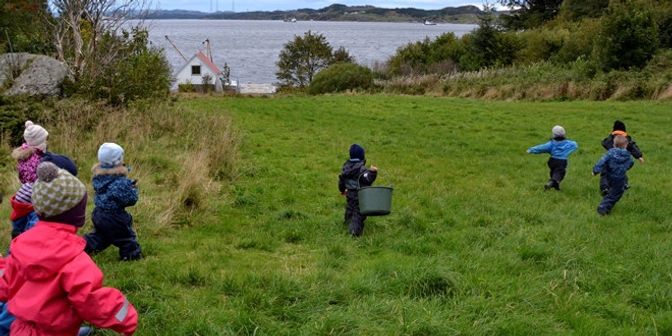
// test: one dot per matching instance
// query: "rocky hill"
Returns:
(337, 12)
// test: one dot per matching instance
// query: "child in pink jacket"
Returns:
(50, 284)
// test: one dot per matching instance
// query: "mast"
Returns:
(176, 49)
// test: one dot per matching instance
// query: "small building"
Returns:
(199, 72)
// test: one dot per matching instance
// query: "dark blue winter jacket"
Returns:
(615, 163)
(114, 190)
(559, 149)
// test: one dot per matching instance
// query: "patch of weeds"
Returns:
(430, 285)
(293, 236)
(291, 215)
(534, 253)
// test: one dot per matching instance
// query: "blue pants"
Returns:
(113, 228)
(6, 319)
(616, 190)
(24, 223)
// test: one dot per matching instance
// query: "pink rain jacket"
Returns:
(52, 286)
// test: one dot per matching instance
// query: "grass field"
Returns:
(474, 246)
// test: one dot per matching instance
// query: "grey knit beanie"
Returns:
(558, 131)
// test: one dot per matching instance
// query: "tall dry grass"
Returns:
(180, 158)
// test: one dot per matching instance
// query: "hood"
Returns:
(120, 170)
(102, 177)
(23, 153)
(43, 250)
(619, 155)
(353, 169)
(562, 144)
(19, 209)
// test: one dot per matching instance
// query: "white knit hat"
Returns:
(558, 131)
(110, 155)
(35, 136)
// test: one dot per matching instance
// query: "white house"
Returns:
(195, 69)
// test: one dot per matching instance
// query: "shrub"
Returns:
(411, 59)
(341, 77)
(579, 42)
(628, 36)
(302, 58)
(139, 72)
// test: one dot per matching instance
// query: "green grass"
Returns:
(474, 245)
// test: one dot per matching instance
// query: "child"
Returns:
(614, 164)
(114, 192)
(354, 175)
(560, 148)
(28, 156)
(49, 283)
(608, 143)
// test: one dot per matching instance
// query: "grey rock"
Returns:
(38, 75)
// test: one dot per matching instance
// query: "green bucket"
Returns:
(375, 201)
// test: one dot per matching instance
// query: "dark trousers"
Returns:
(616, 190)
(113, 228)
(558, 170)
(353, 217)
(604, 181)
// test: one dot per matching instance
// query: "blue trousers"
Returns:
(24, 223)
(6, 319)
(616, 190)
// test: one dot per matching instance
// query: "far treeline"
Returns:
(544, 49)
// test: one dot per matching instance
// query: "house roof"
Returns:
(206, 60)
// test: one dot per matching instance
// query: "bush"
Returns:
(302, 58)
(628, 37)
(341, 77)
(579, 42)
(139, 72)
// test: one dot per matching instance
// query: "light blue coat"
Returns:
(558, 149)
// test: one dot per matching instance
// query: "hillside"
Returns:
(462, 14)
(473, 246)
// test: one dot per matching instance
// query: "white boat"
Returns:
(292, 20)
(429, 23)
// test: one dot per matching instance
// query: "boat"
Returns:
(292, 20)
(429, 23)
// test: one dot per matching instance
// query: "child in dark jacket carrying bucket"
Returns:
(353, 176)
(560, 149)
(112, 224)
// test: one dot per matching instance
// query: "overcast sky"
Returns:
(266, 5)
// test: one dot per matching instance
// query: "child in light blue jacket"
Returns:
(560, 149)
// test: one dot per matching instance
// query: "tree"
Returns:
(23, 26)
(529, 13)
(341, 55)
(628, 36)
(482, 44)
(85, 31)
(302, 58)
(579, 9)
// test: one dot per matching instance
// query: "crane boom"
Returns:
(176, 49)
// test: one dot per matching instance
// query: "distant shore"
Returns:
(463, 14)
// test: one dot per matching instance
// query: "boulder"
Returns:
(33, 75)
